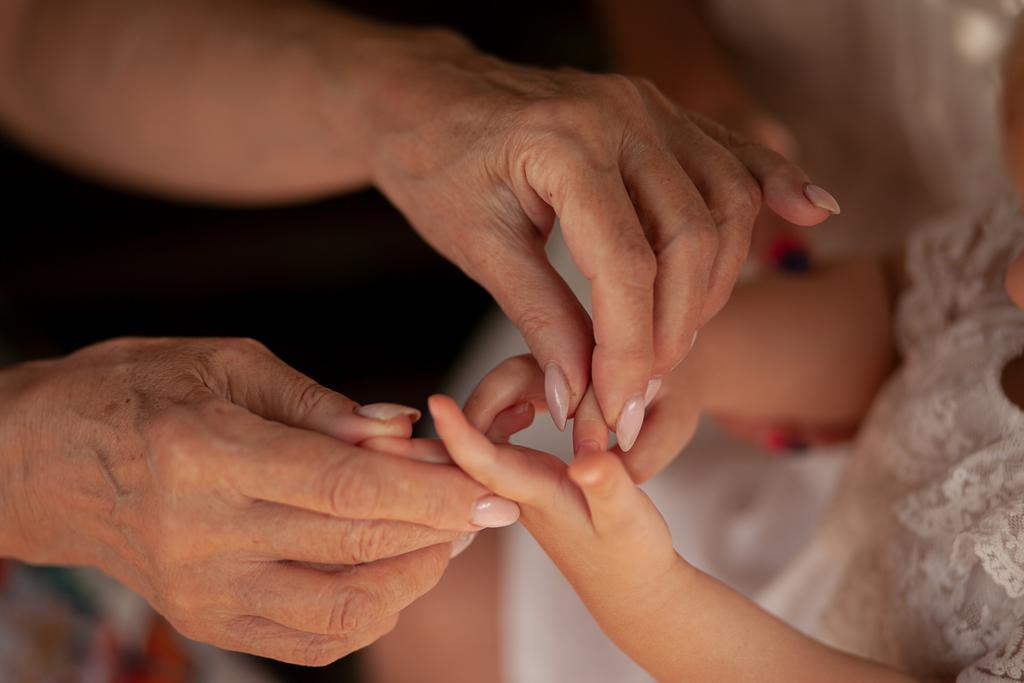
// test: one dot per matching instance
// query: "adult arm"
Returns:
(256, 100)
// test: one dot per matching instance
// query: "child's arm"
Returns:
(809, 349)
(614, 548)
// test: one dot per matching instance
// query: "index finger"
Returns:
(608, 244)
(307, 470)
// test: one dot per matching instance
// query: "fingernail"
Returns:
(387, 411)
(556, 390)
(587, 446)
(461, 543)
(821, 198)
(694, 339)
(494, 511)
(630, 420)
(652, 390)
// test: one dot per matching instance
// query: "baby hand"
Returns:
(603, 532)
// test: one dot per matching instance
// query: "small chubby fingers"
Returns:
(512, 382)
(345, 600)
(611, 495)
(589, 431)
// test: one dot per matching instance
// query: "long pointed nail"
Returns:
(460, 544)
(556, 390)
(821, 198)
(387, 411)
(630, 420)
(494, 511)
(652, 391)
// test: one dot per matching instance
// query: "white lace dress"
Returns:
(919, 561)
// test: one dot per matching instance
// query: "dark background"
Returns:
(82, 262)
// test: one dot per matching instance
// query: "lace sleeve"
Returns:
(1000, 665)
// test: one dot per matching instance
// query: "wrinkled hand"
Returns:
(656, 206)
(505, 400)
(222, 486)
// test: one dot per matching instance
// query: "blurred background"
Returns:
(83, 262)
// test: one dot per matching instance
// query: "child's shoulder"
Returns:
(956, 269)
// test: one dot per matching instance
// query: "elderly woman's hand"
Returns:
(223, 486)
(656, 206)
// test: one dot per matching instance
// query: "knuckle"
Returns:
(349, 487)
(369, 544)
(350, 610)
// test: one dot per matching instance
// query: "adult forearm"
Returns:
(236, 100)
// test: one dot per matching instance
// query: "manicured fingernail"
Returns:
(494, 511)
(461, 543)
(556, 389)
(630, 420)
(587, 446)
(821, 198)
(387, 411)
(652, 390)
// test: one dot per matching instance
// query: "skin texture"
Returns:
(226, 488)
(615, 549)
(829, 330)
(273, 100)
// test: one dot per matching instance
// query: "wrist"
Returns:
(381, 81)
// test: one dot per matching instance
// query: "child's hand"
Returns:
(507, 398)
(600, 529)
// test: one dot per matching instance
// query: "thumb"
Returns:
(262, 383)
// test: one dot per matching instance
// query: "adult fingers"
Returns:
(667, 430)
(264, 638)
(685, 240)
(786, 188)
(550, 317)
(346, 600)
(279, 532)
(607, 242)
(733, 199)
(253, 377)
(314, 472)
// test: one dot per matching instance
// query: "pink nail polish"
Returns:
(821, 198)
(494, 511)
(630, 420)
(387, 411)
(556, 391)
(652, 391)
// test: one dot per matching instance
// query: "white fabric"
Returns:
(920, 560)
(893, 103)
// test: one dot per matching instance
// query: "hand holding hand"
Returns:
(223, 486)
(656, 206)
